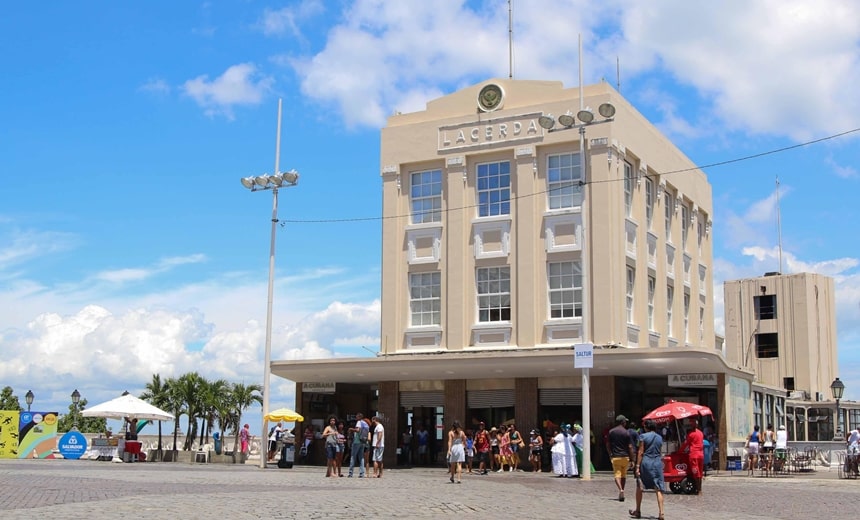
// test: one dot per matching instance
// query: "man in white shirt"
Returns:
(854, 440)
(378, 444)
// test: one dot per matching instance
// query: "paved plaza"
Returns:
(67, 489)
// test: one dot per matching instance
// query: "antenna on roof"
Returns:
(618, 73)
(510, 39)
(778, 224)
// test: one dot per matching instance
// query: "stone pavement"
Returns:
(67, 489)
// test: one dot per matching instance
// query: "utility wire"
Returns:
(581, 184)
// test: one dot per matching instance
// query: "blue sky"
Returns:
(128, 246)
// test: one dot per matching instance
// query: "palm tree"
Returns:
(212, 397)
(188, 389)
(174, 406)
(157, 393)
(241, 398)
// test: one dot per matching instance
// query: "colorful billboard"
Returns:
(9, 434)
(37, 435)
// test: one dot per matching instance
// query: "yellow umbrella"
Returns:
(284, 414)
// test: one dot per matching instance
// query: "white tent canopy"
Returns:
(127, 406)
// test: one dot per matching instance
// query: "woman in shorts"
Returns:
(535, 450)
(753, 442)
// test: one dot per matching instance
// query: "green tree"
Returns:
(9, 401)
(243, 397)
(174, 405)
(85, 424)
(157, 393)
(188, 389)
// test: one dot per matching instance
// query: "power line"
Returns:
(581, 184)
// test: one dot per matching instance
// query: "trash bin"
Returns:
(217, 438)
(288, 456)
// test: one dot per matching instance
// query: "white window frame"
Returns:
(498, 194)
(565, 191)
(493, 289)
(652, 288)
(686, 316)
(564, 284)
(649, 202)
(425, 299)
(670, 303)
(685, 225)
(631, 289)
(429, 193)
(629, 182)
(669, 211)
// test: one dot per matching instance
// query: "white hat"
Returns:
(781, 426)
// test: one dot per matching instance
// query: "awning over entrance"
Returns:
(503, 363)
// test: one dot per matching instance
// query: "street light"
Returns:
(837, 388)
(271, 182)
(28, 397)
(76, 398)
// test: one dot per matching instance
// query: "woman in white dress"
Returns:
(563, 453)
(456, 451)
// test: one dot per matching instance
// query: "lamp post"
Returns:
(837, 388)
(28, 397)
(76, 398)
(270, 182)
(568, 122)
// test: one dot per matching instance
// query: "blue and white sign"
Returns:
(583, 355)
(73, 445)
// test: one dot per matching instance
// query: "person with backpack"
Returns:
(360, 433)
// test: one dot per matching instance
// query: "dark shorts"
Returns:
(330, 451)
(495, 450)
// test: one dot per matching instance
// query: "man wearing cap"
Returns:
(620, 449)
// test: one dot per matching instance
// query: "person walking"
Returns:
(330, 436)
(378, 443)
(695, 443)
(456, 451)
(482, 448)
(649, 468)
(360, 433)
(535, 449)
(245, 440)
(752, 446)
(619, 445)
(517, 443)
(274, 437)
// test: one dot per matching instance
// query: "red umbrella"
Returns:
(677, 410)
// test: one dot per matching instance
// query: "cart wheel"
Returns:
(676, 487)
(687, 486)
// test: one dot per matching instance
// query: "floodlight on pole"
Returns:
(270, 182)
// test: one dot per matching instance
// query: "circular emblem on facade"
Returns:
(490, 98)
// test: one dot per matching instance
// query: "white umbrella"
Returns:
(127, 406)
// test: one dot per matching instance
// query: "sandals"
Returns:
(635, 514)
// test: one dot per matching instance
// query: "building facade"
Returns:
(783, 329)
(506, 240)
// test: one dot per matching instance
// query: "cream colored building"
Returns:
(783, 329)
(500, 252)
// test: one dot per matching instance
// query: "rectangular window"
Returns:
(494, 189)
(686, 317)
(425, 298)
(668, 210)
(565, 289)
(563, 176)
(685, 225)
(700, 232)
(652, 287)
(701, 324)
(628, 189)
(649, 201)
(788, 383)
(765, 307)
(631, 285)
(670, 302)
(494, 294)
(426, 195)
(767, 345)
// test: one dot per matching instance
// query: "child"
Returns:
(470, 450)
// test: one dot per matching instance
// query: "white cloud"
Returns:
(155, 86)
(138, 274)
(239, 85)
(287, 20)
(845, 172)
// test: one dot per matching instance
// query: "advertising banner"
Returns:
(9, 434)
(37, 435)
